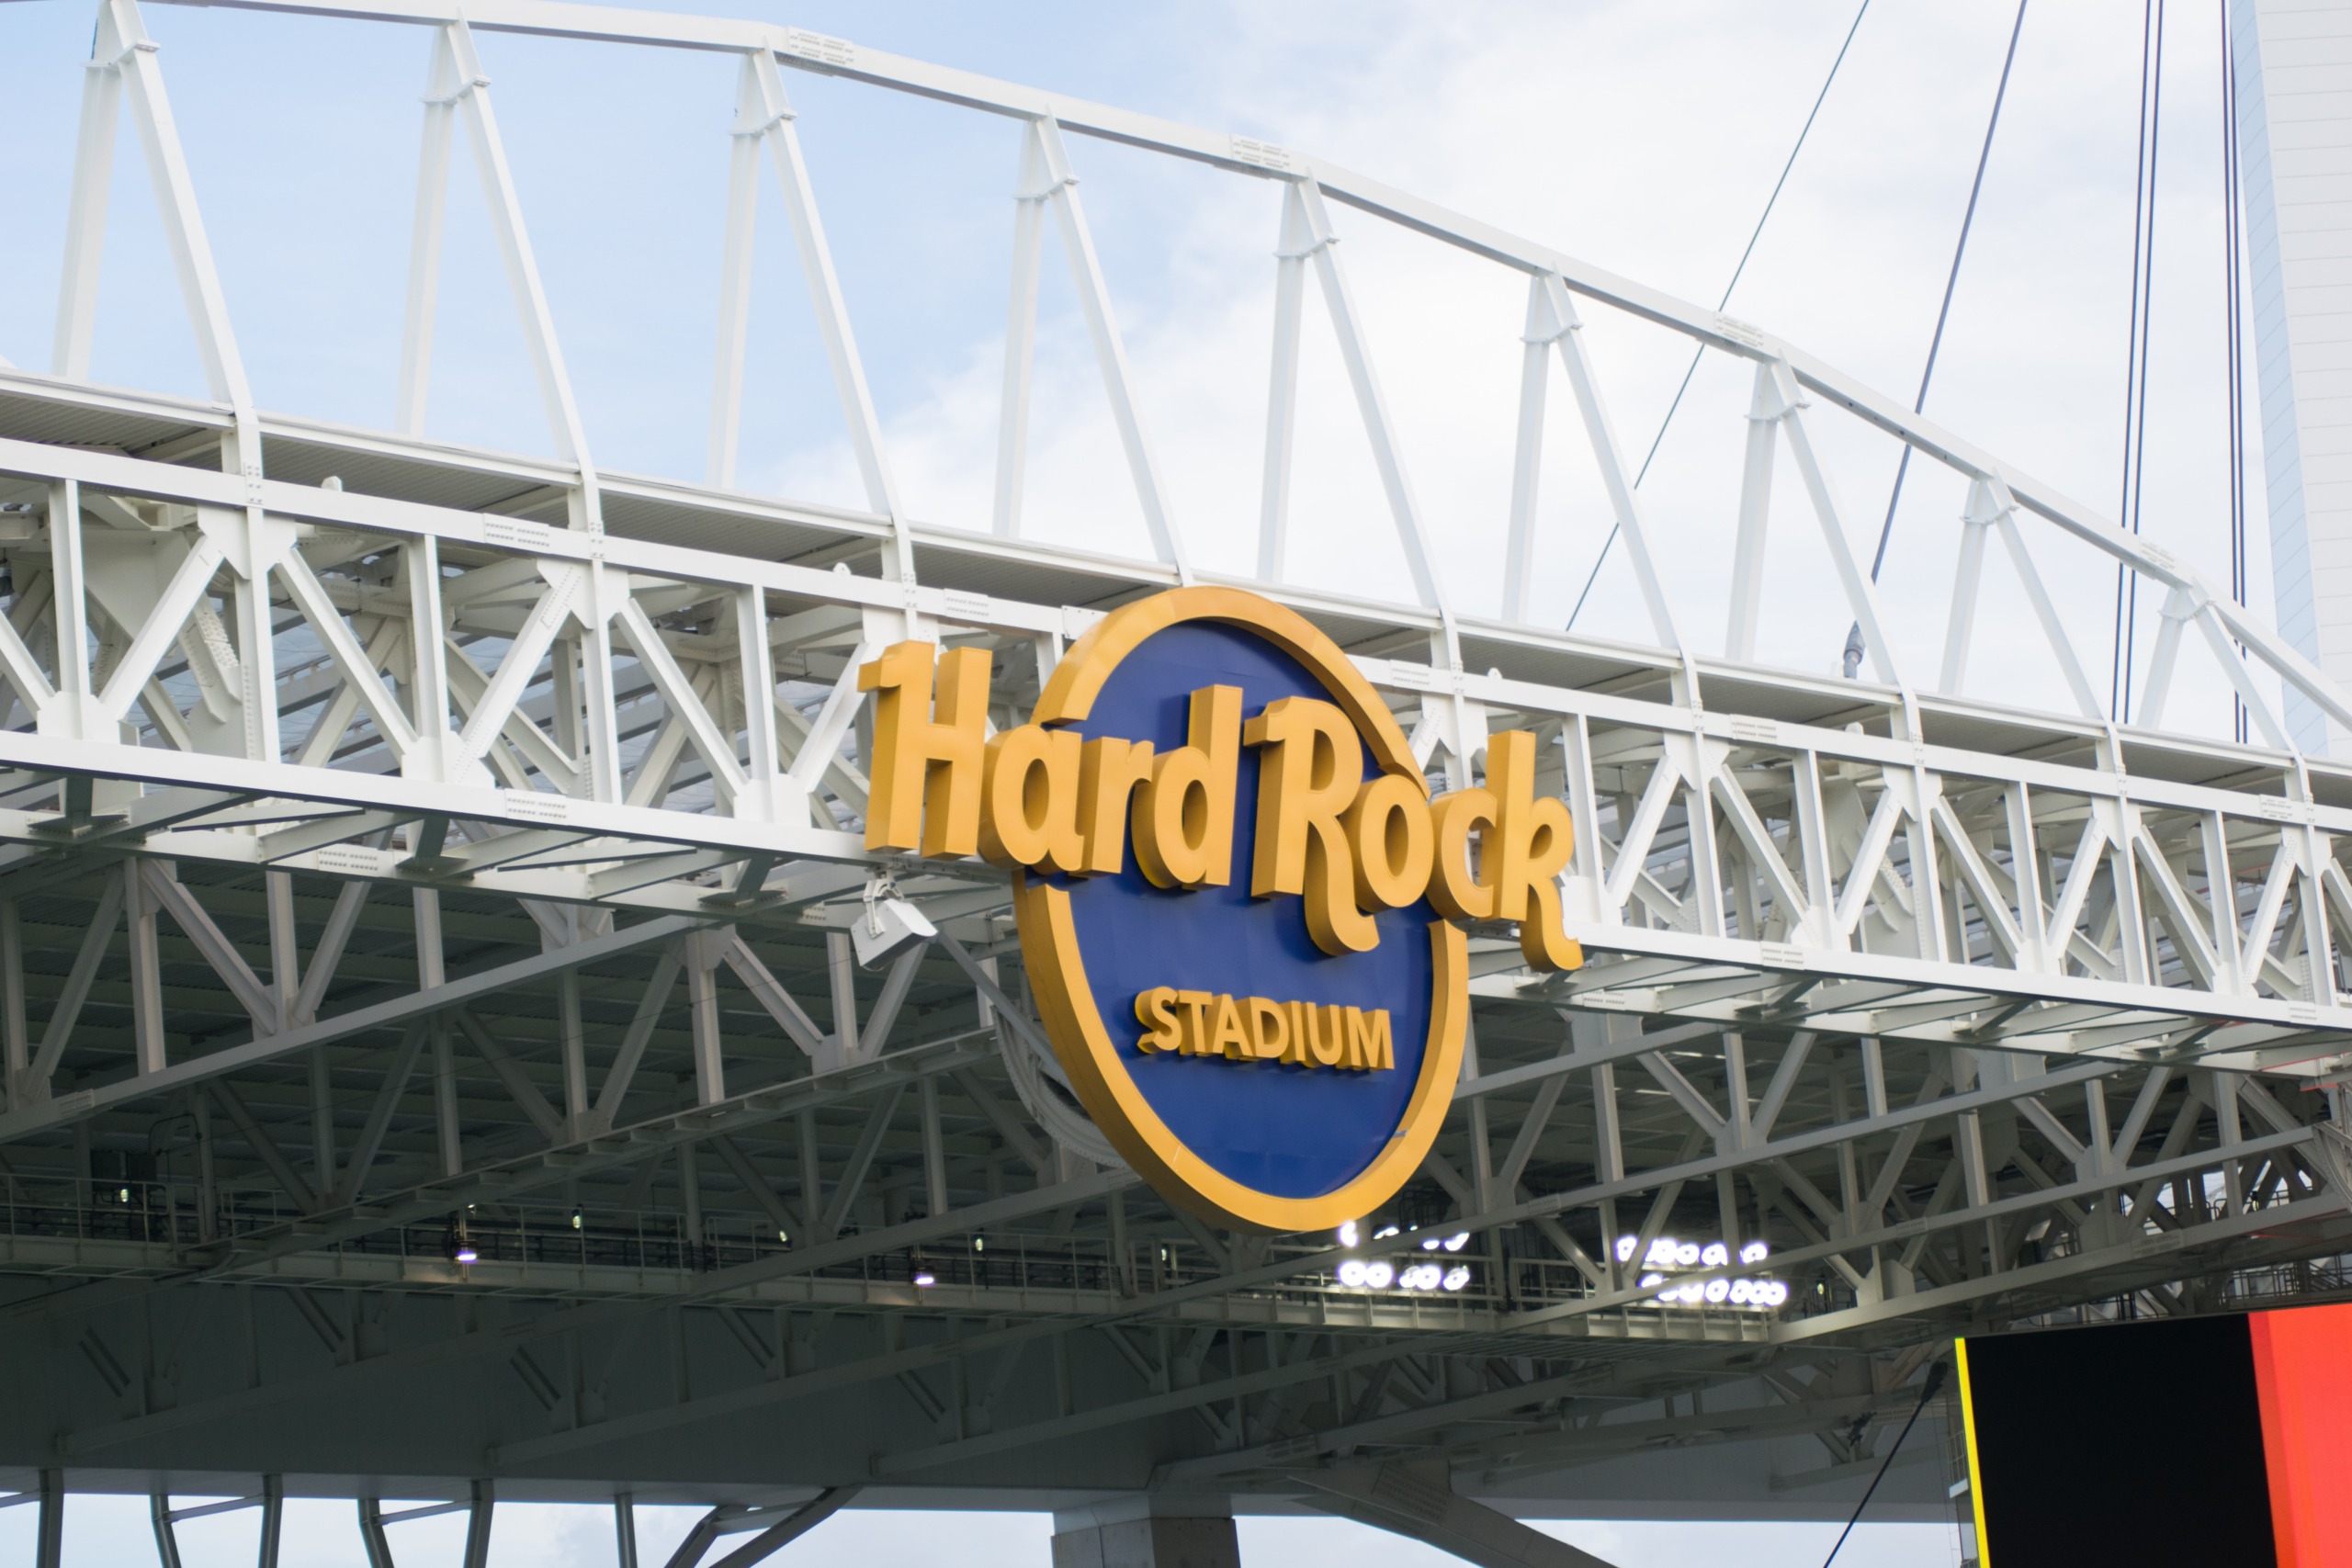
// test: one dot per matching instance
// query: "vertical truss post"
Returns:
(146, 969)
(426, 904)
(765, 782)
(424, 245)
(575, 1052)
(1293, 243)
(934, 1148)
(1608, 1160)
(86, 217)
(841, 966)
(1976, 522)
(1029, 196)
(76, 709)
(1543, 328)
(430, 757)
(1755, 518)
(250, 543)
(735, 278)
(600, 756)
(705, 951)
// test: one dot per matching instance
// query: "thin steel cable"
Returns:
(2135, 388)
(1951, 281)
(1935, 1383)
(2232, 281)
(1854, 647)
(1695, 354)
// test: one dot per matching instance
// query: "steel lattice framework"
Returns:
(400, 836)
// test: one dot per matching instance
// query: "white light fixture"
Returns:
(1755, 1252)
(1715, 1255)
(887, 924)
(1352, 1273)
(1457, 1241)
(1457, 1276)
(1626, 1246)
(1376, 1276)
(1347, 1233)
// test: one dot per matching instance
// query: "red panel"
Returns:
(2303, 1363)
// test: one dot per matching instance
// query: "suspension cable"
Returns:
(2232, 280)
(1854, 650)
(1696, 353)
(1935, 1383)
(2135, 369)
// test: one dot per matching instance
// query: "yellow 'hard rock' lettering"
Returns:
(1349, 847)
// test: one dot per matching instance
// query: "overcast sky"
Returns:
(1642, 138)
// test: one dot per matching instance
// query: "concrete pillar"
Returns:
(1148, 1530)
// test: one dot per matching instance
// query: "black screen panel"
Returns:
(2137, 1443)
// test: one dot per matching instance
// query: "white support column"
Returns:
(76, 713)
(1755, 518)
(86, 218)
(735, 279)
(600, 762)
(1959, 628)
(428, 674)
(1294, 243)
(764, 782)
(250, 555)
(430, 976)
(705, 951)
(441, 88)
(1029, 194)
(146, 971)
(1544, 328)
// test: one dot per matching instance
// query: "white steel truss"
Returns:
(397, 838)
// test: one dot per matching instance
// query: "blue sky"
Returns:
(1640, 136)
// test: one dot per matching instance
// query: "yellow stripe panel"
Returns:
(1975, 1472)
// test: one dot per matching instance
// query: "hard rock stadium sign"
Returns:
(1274, 1049)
